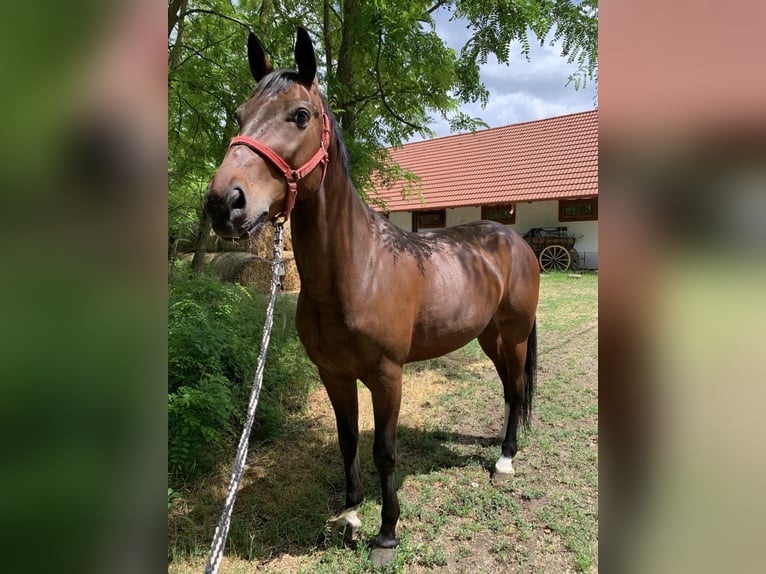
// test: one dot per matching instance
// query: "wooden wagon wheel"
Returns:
(555, 258)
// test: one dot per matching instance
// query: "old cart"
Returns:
(554, 248)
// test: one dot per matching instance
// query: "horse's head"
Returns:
(281, 149)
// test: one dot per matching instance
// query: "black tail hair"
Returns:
(530, 376)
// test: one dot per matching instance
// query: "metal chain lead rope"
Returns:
(222, 531)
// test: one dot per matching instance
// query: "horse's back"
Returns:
(491, 245)
(465, 275)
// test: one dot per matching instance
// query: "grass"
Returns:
(453, 517)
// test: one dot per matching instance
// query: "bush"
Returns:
(214, 337)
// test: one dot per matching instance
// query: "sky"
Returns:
(522, 90)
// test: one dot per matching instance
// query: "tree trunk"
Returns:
(178, 19)
(327, 42)
(200, 247)
(176, 9)
(265, 15)
(346, 65)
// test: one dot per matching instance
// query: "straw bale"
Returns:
(261, 245)
(291, 281)
(254, 271)
(215, 244)
(228, 266)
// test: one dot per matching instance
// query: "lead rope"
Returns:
(222, 530)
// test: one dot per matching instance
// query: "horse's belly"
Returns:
(425, 348)
(352, 343)
(448, 328)
(457, 305)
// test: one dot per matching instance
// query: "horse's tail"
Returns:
(530, 376)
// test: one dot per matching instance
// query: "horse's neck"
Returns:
(331, 236)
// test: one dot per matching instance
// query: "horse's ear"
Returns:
(260, 65)
(305, 58)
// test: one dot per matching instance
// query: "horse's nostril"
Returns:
(237, 198)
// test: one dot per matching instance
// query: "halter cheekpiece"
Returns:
(293, 176)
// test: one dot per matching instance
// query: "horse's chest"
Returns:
(339, 338)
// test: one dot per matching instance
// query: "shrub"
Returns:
(214, 336)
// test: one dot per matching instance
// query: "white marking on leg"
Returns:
(504, 465)
(346, 520)
(501, 436)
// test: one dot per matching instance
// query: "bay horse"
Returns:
(373, 296)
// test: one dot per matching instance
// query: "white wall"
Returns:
(546, 214)
(528, 215)
(402, 218)
(458, 215)
(536, 214)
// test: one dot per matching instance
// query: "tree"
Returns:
(385, 71)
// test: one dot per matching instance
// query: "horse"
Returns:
(373, 296)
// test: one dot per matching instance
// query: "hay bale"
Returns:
(262, 245)
(215, 244)
(229, 266)
(254, 271)
(290, 281)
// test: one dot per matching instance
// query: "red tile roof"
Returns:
(546, 159)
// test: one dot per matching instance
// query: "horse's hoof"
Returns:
(503, 471)
(504, 466)
(382, 557)
(348, 523)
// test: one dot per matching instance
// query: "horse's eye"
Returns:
(302, 117)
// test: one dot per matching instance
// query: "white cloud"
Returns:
(520, 106)
(522, 90)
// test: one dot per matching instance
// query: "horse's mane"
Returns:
(280, 80)
(342, 152)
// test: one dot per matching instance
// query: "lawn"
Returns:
(454, 519)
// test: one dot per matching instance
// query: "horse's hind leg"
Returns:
(514, 389)
(343, 396)
(492, 345)
(509, 360)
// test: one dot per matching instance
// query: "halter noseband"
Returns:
(293, 176)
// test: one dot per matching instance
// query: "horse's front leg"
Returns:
(343, 396)
(386, 388)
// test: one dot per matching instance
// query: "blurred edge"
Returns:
(681, 288)
(83, 295)
(682, 285)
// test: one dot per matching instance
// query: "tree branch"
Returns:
(335, 13)
(383, 93)
(200, 55)
(214, 13)
(363, 99)
(327, 43)
(436, 6)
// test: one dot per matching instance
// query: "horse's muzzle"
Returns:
(227, 212)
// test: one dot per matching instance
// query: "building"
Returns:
(539, 174)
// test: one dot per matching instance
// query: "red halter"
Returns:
(293, 176)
